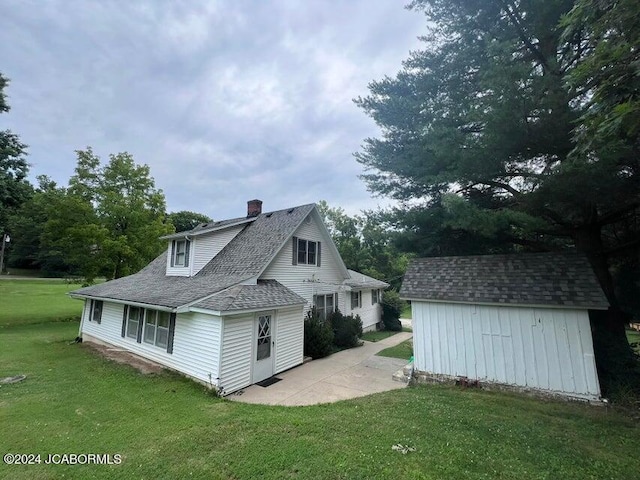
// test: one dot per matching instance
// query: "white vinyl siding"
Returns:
(307, 280)
(539, 348)
(237, 356)
(202, 250)
(289, 340)
(196, 343)
(209, 245)
(369, 314)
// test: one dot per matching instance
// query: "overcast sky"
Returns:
(226, 101)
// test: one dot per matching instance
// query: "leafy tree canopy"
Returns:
(488, 131)
(366, 243)
(185, 220)
(14, 187)
(128, 206)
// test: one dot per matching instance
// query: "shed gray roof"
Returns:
(243, 258)
(545, 279)
(266, 294)
(360, 280)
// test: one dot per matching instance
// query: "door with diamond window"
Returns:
(263, 348)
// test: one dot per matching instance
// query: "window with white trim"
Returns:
(375, 297)
(95, 315)
(180, 253)
(307, 252)
(325, 304)
(156, 328)
(134, 317)
(356, 300)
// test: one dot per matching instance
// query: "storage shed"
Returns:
(519, 320)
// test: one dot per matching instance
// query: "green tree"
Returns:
(14, 187)
(366, 243)
(26, 226)
(185, 220)
(127, 205)
(486, 131)
(73, 238)
(484, 113)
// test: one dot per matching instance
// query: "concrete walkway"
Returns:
(347, 374)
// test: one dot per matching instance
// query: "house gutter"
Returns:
(226, 313)
(495, 304)
(124, 302)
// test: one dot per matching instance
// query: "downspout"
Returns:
(84, 309)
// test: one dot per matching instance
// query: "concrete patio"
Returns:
(347, 374)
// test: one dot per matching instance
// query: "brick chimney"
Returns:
(254, 208)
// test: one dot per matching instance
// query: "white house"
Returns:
(519, 320)
(225, 303)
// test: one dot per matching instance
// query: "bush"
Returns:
(318, 336)
(391, 310)
(347, 330)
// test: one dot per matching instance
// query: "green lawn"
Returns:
(406, 311)
(403, 350)
(37, 301)
(167, 427)
(377, 335)
(634, 337)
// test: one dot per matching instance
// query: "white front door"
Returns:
(263, 348)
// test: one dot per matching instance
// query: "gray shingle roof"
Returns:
(203, 228)
(266, 294)
(360, 280)
(243, 258)
(546, 279)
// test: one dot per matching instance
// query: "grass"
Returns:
(406, 311)
(164, 426)
(403, 350)
(37, 301)
(633, 336)
(377, 335)
(24, 272)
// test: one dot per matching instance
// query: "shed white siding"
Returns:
(540, 348)
(289, 341)
(196, 344)
(370, 314)
(307, 280)
(237, 343)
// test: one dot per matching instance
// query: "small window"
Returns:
(156, 328)
(133, 321)
(356, 300)
(375, 294)
(180, 253)
(307, 252)
(325, 304)
(96, 311)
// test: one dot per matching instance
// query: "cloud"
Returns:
(226, 101)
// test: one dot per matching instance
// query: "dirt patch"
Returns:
(144, 366)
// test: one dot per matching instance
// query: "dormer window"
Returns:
(180, 253)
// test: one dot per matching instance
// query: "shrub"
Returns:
(318, 336)
(347, 330)
(391, 309)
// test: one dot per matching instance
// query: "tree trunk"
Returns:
(614, 357)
